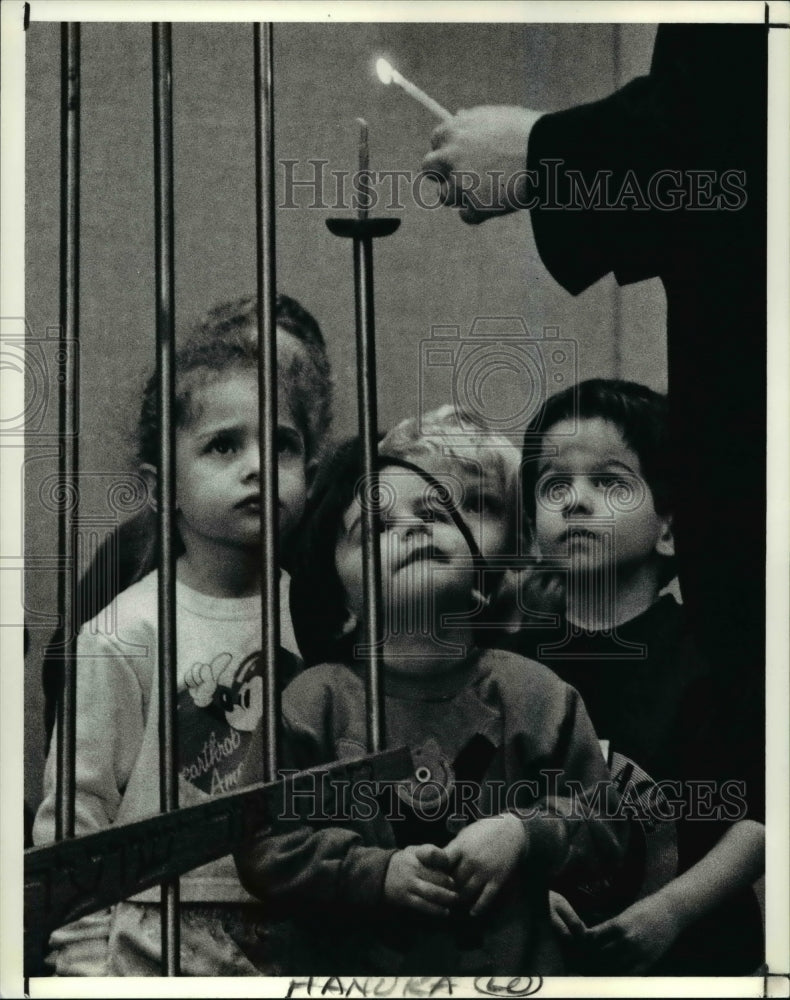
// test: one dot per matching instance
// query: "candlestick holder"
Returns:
(362, 230)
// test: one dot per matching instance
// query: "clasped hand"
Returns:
(629, 943)
(466, 875)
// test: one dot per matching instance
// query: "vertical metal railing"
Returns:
(68, 418)
(368, 430)
(364, 231)
(166, 499)
(266, 273)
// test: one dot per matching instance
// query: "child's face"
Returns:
(425, 560)
(591, 488)
(218, 464)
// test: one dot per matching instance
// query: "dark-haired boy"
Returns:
(596, 477)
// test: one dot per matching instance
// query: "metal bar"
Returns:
(68, 418)
(363, 231)
(165, 350)
(267, 385)
(72, 878)
(367, 403)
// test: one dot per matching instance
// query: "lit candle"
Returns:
(388, 74)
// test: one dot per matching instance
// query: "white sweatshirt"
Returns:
(219, 688)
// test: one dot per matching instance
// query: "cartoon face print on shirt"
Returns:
(220, 707)
(242, 701)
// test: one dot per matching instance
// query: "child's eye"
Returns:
(607, 480)
(552, 485)
(438, 512)
(289, 443)
(222, 444)
(555, 492)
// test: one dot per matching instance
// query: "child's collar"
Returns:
(431, 687)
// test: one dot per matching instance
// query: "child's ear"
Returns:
(348, 626)
(665, 546)
(503, 604)
(481, 600)
(149, 474)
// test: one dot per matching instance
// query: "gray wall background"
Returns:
(434, 271)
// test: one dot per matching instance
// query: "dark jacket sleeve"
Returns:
(574, 830)
(693, 112)
(331, 864)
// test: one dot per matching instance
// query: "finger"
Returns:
(485, 899)
(473, 216)
(424, 906)
(604, 933)
(436, 894)
(453, 853)
(446, 190)
(441, 134)
(436, 878)
(437, 165)
(433, 857)
(570, 918)
(463, 872)
(614, 950)
(470, 890)
(559, 925)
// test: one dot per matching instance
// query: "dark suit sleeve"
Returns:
(691, 113)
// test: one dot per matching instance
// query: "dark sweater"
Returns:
(497, 721)
(648, 692)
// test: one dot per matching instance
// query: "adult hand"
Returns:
(483, 856)
(417, 878)
(635, 939)
(480, 158)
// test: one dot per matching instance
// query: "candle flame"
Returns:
(384, 70)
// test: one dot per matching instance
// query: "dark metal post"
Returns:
(266, 270)
(363, 230)
(367, 404)
(68, 417)
(165, 349)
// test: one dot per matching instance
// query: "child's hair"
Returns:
(318, 600)
(442, 436)
(639, 413)
(227, 338)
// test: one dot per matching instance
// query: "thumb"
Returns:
(474, 216)
(565, 918)
(453, 853)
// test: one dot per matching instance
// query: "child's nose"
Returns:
(407, 529)
(251, 465)
(580, 498)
